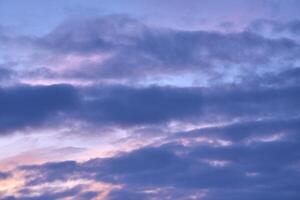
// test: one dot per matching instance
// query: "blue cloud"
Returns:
(260, 170)
(25, 106)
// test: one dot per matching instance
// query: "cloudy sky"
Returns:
(150, 100)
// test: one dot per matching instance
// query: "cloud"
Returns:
(133, 106)
(171, 52)
(92, 35)
(31, 106)
(131, 50)
(4, 175)
(245, 131)
(276, 28)
(74, 193)
(247, 102)
(260, 156)
(128, 106)
(119, 105)
(239, 170)
(227, 127)
(5, 74)
(26, 106)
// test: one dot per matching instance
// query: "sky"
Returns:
(150, 100)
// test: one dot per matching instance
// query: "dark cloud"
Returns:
(27, 106)
(4, 175)
(289, 77)
(260, 170)
(171, 52)
(249, 102)
(120, 105)
(119, 194)
(131, 106)
(163, 193)
(254, 163)
(138, 51)
(30, 106)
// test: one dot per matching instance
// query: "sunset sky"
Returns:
(149, 100)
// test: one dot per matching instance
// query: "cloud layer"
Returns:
(125, 106)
